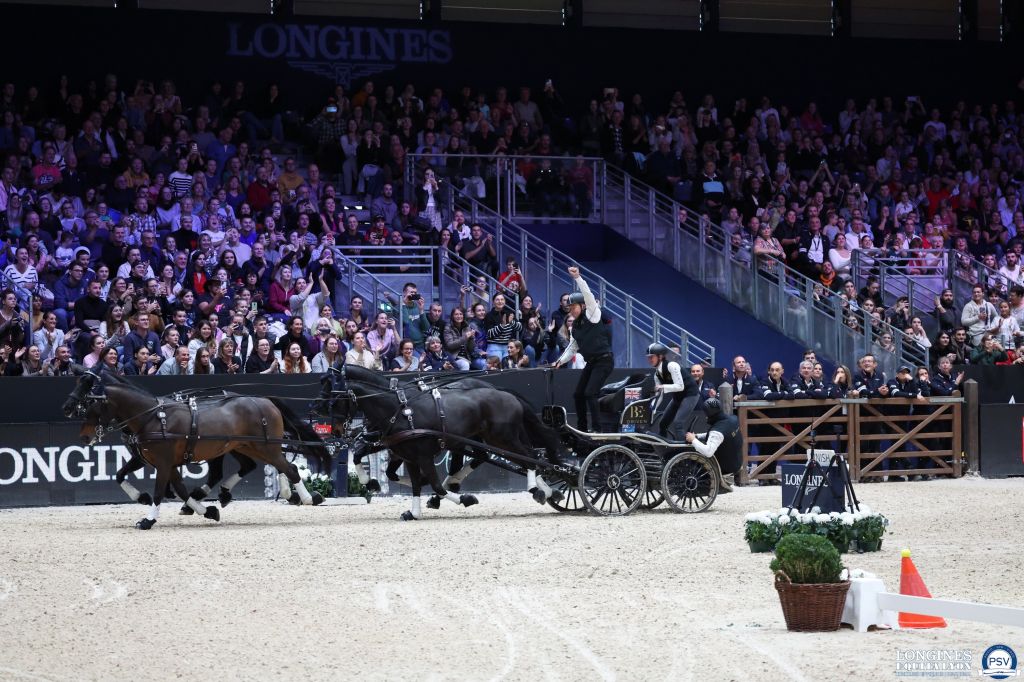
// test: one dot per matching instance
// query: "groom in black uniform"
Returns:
(592, 339)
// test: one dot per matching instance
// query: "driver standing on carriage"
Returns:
(676, 392)
(592, 339)
(721, 441)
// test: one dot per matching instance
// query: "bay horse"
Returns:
(171, 433)
(475, 410)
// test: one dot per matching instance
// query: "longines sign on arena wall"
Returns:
(342, 54)
(43, 464)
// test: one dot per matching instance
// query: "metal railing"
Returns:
(920, 277)
(378, 296)
(787, 300)
(512, 184)
(378, 273)
(546, 273)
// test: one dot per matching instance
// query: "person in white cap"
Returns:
(676, 392)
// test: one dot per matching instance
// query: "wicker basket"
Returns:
(814, 607)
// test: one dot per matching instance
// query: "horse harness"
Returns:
(390, 438)
(406, 410)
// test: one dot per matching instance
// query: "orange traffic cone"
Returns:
(912, 585)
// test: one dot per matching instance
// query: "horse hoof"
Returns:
(224, 497)
(186, 510)
(317, 499)
(538, 495)
(556, 496)
(468, 500)
(454, 486)
(212, 513)
(373, 485)
(145, 499)
(434, 502)
(145, 524)
(295, 499)
(407, 516)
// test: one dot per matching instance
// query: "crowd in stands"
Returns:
(902, 182)
(139, 222)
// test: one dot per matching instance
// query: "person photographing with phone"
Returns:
(592, 339)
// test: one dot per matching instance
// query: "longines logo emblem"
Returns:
(342, 54)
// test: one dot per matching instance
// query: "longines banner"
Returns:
(308, 55)
(342, 54)
(43, 464)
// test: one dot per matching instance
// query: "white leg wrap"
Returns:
(416, 506)
(231, 482)
(130, 490)
(303, 493)
(359, 469)
(154, 512)
(286, 487)
(452, 497)
(460, 475)
(206, 490)
(531, 479)
(196, 506)
(543, 486)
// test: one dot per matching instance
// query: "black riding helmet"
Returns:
(576, 297)
(657, 349)
(713, 409)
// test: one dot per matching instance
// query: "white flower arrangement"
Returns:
(320, 483)
(841, 528)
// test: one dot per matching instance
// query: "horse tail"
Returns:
(312, 443)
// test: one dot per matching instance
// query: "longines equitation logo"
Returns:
(342, 54)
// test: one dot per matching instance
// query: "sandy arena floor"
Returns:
(506, 589)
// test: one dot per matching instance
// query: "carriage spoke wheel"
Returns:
(652, 498)
(689, 483)
(571, 501)
(612, 481)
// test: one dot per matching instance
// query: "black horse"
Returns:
(170, 433)
(475, 410)
(457, 468)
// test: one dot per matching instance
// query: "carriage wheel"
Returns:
(653, 497)
(612, 481)
(689, 483)
(572, 501)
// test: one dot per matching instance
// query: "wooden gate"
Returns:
(909, 436)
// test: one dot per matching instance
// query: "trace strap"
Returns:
(193, 431)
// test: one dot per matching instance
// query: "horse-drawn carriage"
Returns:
(610, 474)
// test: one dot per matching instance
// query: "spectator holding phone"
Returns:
(512, 274)
(382, 339)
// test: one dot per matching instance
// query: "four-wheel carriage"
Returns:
(619, 472)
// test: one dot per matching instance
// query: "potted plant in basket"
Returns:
(807, 572)
(869, 529)
(761, 532)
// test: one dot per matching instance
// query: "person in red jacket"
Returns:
(258, 193)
